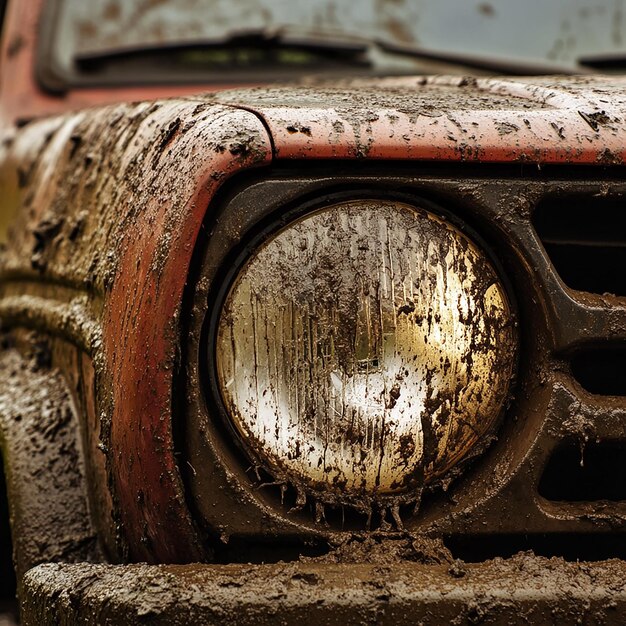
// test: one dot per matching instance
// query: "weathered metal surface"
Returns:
(522, 590)
(141, 331)
(122, 229)
(71, 320)
(568, 120)
(109, 203)
(365, 350)
(44, 465)
(538, 120)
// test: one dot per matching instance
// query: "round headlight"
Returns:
(364, 350)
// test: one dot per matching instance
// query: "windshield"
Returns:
(163, 40)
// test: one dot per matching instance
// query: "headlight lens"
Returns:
(365, 350)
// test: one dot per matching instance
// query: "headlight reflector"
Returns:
(364, 350)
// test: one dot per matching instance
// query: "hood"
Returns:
(536, 120)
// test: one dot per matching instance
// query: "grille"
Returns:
(601, 371)
(586, 472)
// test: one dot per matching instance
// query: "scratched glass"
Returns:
(365, 350)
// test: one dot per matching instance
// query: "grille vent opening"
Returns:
(601, 371)
(586, 473)
(585, 238)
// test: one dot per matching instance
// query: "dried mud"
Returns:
(522, 590)
(50, 520)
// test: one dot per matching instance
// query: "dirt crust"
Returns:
(43, 464)
(523, 589)
(386, 551)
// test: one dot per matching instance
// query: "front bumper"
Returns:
(522, 589)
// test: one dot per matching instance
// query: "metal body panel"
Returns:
(110, 204)
(535, 120)
(141, 318)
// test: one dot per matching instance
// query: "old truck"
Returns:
(342, 349)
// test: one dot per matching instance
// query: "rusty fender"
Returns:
(446, 118)
(108, 205)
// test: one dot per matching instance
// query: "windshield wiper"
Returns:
(608, 61)
(244, 57)
(350, 50)
(497, 65)
(266, 56)
(340, 51)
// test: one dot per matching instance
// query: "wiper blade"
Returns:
(497, 65)
(342, 48)
(339, 49)
(608, 61)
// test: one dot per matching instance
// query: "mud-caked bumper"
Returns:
(523, 589)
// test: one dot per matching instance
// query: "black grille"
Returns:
(586, 472)
(585, 238)
(601, 371)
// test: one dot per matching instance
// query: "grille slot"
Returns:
(585, 238)
(588, 472)
(601, 371)
(568, 546)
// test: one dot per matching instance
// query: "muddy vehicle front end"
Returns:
(348, 351)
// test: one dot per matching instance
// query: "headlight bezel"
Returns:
(401, 482)
(244, 222)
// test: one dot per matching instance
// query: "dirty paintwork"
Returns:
(142, 309)
(147, 201)
(23, 99)
(111, 201)
(538, 120)
(114, 211)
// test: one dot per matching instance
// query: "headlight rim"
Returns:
(227, 275)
